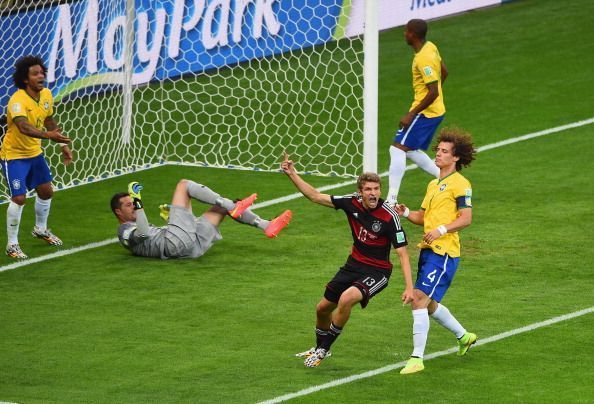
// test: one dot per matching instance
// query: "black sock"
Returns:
(320, 335)
(333, 333)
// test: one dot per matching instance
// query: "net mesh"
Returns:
(218, 83)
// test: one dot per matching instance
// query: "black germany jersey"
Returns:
(374, 231)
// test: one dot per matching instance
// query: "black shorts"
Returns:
(368, 280)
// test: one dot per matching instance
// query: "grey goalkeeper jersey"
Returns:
(146, 245)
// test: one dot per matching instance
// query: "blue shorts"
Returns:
(419, 133)
(25, 174)
(435, 274)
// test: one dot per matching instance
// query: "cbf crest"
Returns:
(16, 184)
(46, 105)
(376, 227)
(442, 187)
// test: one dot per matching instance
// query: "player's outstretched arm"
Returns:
(306, 189)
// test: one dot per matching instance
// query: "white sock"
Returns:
(13, 220)
(395, 173)
(443, 316)
(420, 331)
(424, 162)
(42, 209)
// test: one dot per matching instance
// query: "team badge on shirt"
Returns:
(442, 187)
(376, 226)
(46, 105)
(16, 108)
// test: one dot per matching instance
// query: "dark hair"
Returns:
(463, 146)
(368, 177)
(21, 69)
(116, 201)
(418, 27)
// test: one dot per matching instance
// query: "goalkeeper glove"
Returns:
(164, 211)
(134, 189)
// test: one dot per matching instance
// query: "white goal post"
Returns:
(213, 83)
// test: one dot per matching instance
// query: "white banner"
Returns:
(395, 13)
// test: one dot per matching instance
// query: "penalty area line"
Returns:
(389, 368)
(286, 198)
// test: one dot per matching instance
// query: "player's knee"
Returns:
(324, 308)
(19, 199)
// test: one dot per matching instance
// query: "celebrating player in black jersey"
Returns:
(375, 226)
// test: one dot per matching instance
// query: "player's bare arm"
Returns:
(432, 94)
(306, 189)
(27, 129)
(444, 72)
(67, 156)
(463, 220)
(408, 294)
(414, 216)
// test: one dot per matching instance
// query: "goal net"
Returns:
(216, 83)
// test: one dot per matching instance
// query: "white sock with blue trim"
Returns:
(395, 173)
(42, 209)
(420, 158)
(420, 331)
(13, 221)
(443, 316)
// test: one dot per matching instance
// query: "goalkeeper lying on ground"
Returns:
(184, 236)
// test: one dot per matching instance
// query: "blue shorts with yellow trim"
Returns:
(419, 133)
(435, 273)
(25, 174)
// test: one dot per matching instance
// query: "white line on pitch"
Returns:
(398, 365)
(299, 195)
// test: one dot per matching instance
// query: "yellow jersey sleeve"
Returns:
(21, 105)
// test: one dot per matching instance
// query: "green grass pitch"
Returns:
(102, 326)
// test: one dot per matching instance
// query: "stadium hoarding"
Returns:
(82, 42)
(395, 13)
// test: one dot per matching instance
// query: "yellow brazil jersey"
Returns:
(441, 204)
(19, 146)
(426, 68)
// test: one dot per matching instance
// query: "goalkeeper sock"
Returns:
(13, 220)
(395, 173)
(42, 209)
(420, 158)
(204, 194)
(249, 217)
(333, 333)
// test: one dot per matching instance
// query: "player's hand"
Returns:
(66, 155)
(57, 136)
(134, 189)
(406, 120)
(400, 208)
(287, 165)
(407, 296)
(431, 236)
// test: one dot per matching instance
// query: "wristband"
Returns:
(63, 144)
(406, 212)
(442, 229)
(137, 204)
